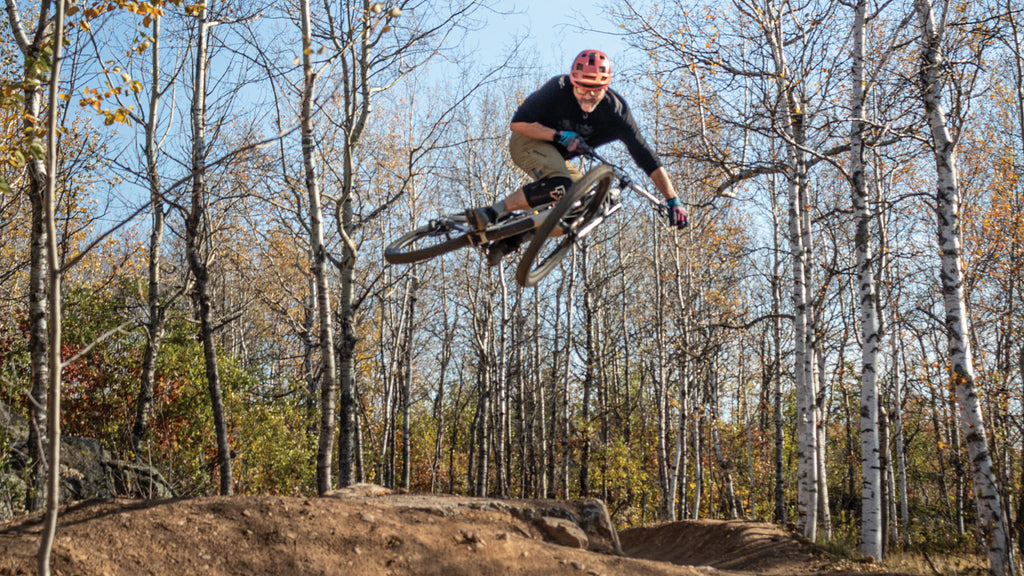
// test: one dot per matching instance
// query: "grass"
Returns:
(846, 546)
(936, 564)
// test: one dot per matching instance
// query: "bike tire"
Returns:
(426, 242)
(592, 190)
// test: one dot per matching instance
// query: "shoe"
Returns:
(501, 248)
(480, 218)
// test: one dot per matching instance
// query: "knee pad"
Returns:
(546, 190)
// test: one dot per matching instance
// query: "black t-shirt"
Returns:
(554, 105)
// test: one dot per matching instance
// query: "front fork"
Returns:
(610, 206)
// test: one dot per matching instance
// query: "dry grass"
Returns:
(936, 564)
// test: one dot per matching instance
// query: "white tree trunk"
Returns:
(807, 467)
(667, 467)
(986, 490)
(30, 43)
(871, 477)
(777, 415)
(328, 388)
(900, 449)
(791, 112)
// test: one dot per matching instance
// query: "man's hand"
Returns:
(676, 213)
(570, 140)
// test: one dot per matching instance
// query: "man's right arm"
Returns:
(534, 130)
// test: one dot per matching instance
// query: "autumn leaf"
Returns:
(37, 148)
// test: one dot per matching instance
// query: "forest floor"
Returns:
(385, 534)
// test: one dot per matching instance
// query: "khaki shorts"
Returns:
(540, 159)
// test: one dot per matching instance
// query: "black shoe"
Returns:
(480, 218)
(501, 248)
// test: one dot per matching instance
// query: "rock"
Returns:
(561, 512)
(87, 470)
(137, 480)
(472, 539)
(563, 532)
(360, 491)
(591, 516)
(82, 468)
(597, 524)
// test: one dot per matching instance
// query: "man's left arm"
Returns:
(647, 160)
(677, 212)
(663, 183)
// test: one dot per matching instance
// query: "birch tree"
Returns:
(318, 255)
(871, 478)
(759, 62)
(933, 66)
(373, 46)
(198, 245)
(37, 50)
(792, 124)
(157, 300)
(1015, 44)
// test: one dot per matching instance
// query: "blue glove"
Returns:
(676, 213)
(569, 140)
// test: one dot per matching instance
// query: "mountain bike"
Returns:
(555, 227)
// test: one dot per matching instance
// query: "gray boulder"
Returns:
(562, 532)
(87, 470)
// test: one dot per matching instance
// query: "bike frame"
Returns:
(518, 224)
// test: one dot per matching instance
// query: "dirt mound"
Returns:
(725, 545)
(373, 535)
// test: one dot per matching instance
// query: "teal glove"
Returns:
(569, 140)
(676, 213)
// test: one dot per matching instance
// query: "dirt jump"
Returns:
(370, 531)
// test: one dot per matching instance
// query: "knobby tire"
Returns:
(424, 243)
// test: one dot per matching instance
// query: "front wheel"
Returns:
(438, 237)
(579, 207)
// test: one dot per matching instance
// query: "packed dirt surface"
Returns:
(381, 534)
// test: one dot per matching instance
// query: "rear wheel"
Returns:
(438, 237)
(578, 208)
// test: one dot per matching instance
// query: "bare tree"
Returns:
(319, 256)
(198, 245)
(1013, 38)
(157, 300)
(372, 46)
(944, 144)
(871, 478)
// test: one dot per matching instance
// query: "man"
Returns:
(549, 128)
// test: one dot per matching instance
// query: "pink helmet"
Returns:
(591, 69)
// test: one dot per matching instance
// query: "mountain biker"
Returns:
(548, 129)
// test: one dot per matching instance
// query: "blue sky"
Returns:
(554, 31)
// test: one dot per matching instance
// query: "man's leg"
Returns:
(545, 164)
(527, 196)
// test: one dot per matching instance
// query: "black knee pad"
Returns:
(546, 190)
